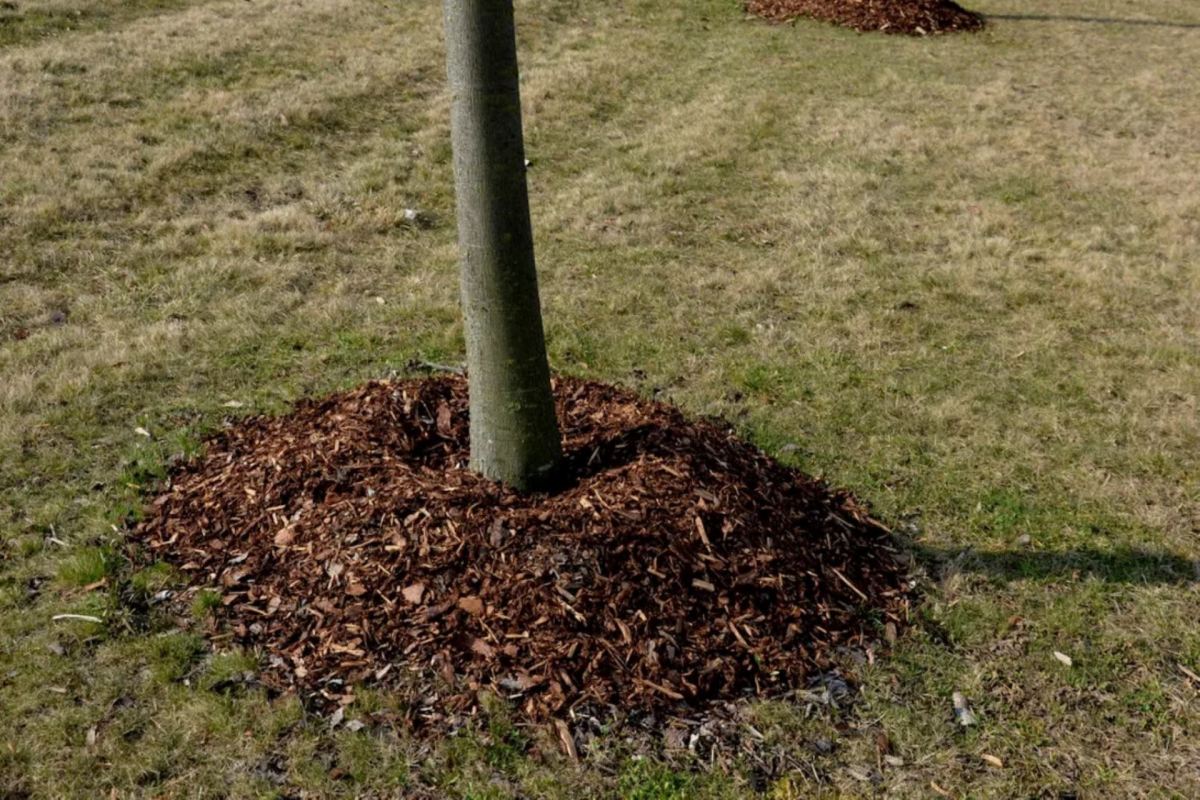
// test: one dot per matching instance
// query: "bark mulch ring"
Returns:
(914, 17)
(681, 568)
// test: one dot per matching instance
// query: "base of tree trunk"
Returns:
(914, 17)
(679, 568)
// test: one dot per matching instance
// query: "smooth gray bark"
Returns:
(514, 433)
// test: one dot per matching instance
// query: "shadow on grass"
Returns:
(1093, 20)
(1120, 565)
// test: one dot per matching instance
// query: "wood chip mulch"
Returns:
(681, 567)
(913, 17)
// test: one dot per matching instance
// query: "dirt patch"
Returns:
(680, 567)
(914, 17)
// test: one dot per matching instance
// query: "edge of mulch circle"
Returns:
(681, 571)
(909, 17)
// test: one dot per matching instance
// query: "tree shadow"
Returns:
(1120, 565)
(613, 452)
(1093, 20)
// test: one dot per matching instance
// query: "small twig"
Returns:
(53, 538)
(846, 581)
(83, 617)
(671, 693)
(568, 742)
(431, 366)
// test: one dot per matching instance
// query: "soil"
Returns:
(679, 568)
(914, 17)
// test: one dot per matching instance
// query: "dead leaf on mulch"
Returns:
(471, 605)
(679, 567)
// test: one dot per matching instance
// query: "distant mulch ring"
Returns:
(914, 17)
(680, 568)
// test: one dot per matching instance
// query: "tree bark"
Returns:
(514, 432)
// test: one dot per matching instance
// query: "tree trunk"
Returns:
(514, 433)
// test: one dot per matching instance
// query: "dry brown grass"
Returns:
(960, 276)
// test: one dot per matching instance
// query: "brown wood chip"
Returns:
(916, 17)
(678, 565)
(471, 605)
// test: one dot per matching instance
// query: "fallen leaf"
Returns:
(443, 419)
(517, 684)
(943, 792)
(471, 605)
(993, 760)
(482, 648)
(336, 717)
(859, 774)
(414, 593)
(356, 590)
(142, 432)
(1063, 657)
(285, 536)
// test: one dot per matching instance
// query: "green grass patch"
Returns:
(954, 275)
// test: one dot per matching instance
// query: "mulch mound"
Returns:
(914, 17)
(680, 567)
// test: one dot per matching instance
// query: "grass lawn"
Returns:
(959, 276)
